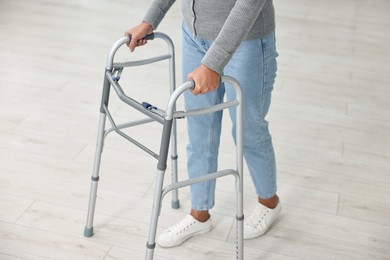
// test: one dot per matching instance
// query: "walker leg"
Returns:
(161, 167)
(88, 231)
(175, 193)
(172, 79)
(151, 244)
(240, 221)
(240, 178)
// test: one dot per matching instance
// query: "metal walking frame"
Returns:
(168, 119)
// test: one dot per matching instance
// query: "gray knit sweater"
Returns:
(227, 22)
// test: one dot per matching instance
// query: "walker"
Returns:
(168, 120)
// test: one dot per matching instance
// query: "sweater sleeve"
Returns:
(236, 27)
(157, 11)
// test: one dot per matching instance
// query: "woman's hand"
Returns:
(137, 35)
(205, 79)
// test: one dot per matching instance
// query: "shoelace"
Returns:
(257, 216)
(181, 226)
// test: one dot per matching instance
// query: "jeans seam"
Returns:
(209, 149)
(265, 82)
(207, 202)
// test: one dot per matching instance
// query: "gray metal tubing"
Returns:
(138, 144)
(161, 167)
(114, 48)
(174, 156)
(118, 89)
(207, 177)
(128, 124)
(151, 243)
(164, 145)
(239, 165)
(133, 103)
(141, 62)
(95, 176)
(105, 93)
(126, 39)
(174, 172)
(171, 56)
(172, 76)
(206, 110)
(174, 96)
(189, 85)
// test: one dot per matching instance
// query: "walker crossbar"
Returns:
(207, 177)
(141, 62)
(201, 111)
(168, 119)
(129, 124)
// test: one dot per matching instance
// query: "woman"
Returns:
(236, 38)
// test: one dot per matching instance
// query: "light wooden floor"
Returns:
(330, 121)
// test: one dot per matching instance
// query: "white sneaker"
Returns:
(260, 221)
(183, 230)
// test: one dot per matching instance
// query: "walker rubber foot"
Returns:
(88, 232)
(176, 204)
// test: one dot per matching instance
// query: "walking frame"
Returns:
(168, 119)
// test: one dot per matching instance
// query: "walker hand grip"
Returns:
(147, 37)
(192, 84)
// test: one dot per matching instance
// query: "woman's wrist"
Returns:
(147, 27)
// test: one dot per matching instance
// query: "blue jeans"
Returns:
(254, 66)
